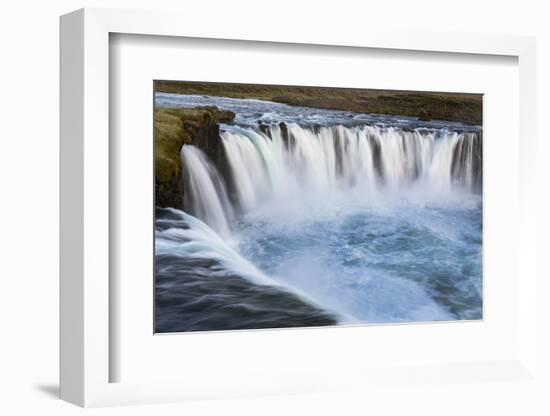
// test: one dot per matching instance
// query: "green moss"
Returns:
(168, 141)
(175, 127)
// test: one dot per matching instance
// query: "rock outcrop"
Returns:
(175, 127)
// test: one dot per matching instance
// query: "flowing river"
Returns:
(322, 217)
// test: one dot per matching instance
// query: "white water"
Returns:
(376, 222)
(465, 156)
(205, 190)
(195, 240)
(317, 152)
(296, 193)
(198, 241)
(277, 167)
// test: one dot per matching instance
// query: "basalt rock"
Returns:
(175, 127)
(285, 134)
(264, 128)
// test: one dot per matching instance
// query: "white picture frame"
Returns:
(85, 352)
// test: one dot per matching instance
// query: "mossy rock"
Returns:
(175, 127)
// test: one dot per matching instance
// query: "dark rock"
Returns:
(287, 137)
(175, 127)
(264, 128)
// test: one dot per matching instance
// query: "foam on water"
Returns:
(376, 219)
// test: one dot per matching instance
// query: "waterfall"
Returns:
(190, 238)
(466, 168)
(205, 195)
(287, 160)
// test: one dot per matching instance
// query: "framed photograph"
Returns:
(278, 214)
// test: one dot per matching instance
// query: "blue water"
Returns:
(399, 261)
(310, 238)
(251, 112)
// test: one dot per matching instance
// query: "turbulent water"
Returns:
(322, 217)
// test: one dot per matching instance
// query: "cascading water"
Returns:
(466, 165)
(326, 220)
(277, 163)
(206, 197)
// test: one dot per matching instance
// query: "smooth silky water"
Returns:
(322, 217)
